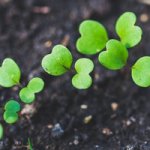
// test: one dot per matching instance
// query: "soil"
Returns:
(114, 114)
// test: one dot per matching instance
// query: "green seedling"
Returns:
(30, 147)
(58, 62)
(141, 72)
(83, 67)
(27, 94)
(12, 108)
(115, 56)
(93, 37)
(129, 34)
(9, 73)
(1, 131)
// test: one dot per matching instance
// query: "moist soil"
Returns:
(114, 114)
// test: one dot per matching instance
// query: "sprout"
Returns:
(141, 72)
(58, 62)
(115, 56)
(27, 94)
(1, 131)
(93, 37)
(82, 80)
(9, 73)
(12, 108)
(129, 34)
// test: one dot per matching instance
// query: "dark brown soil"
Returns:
(56, 121)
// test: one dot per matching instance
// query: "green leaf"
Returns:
(115, 56)
(141, 72)
(58, 62)
(82, 79)
(36, 85)
(129, 34)
(1, 131)
(93, 37)
(9, 73)
(10, 117)
(26, 95)
(12, 105)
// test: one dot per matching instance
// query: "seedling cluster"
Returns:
(93, 40)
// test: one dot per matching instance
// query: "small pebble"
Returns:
(48, 44)
(87, 119)
(114, 106)
(83, 106)
(57, 131)
(107, 131)
(144, 17)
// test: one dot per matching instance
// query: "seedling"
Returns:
(9, 73)
(27, 94)
(129, 34)
(58, 62)
(141, 71)
(30, 147)
(1, 131)
(12, 108)
(115, 56)
(93, 37)
(83, 67)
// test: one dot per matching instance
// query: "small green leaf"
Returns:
(12, 105)
(9, 73)
(58, 62)
(1, 131)
(115, 56)
(141, 72)
(84, 65)
(129, 34)
(93, 37)
(26, 95)
(82, 79)
(10, 117)
(36, 85)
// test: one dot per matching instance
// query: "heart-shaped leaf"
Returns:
(141, 72)
(10, 117)
(82, 79)
(129, 34)
(9, 73)
(93, 37)
(26, 95)
(115, 56)
(58, 62)
(12, 105)
(36, 85)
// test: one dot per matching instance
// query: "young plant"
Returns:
(9, 73)
(115, 56)
(141, 72)
(1, 131)
(83, 67)
(11, 108)
(58, 62)
(130, 35)
(93, 37)
(27, 94)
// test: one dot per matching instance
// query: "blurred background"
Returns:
(112, 115)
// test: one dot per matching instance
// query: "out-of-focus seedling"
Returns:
(115, 56)
(93, 37)
(1, 131)
(12, 108)
(9, 73)
(58, 62)
(27, 94)
(141, 72)
(130, 35)
(83, 67)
